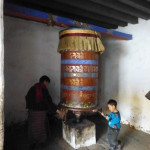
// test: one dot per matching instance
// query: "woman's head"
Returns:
(45, 80)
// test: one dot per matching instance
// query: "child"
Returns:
(114, 125)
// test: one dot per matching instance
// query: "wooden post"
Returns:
(1, 77)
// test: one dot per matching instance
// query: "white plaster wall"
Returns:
(30, 52)
(126, 75)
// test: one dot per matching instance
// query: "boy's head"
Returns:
(112, 105)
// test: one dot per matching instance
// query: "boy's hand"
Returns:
(106, 117)
(102, 113)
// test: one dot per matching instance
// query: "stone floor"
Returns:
(16, 137)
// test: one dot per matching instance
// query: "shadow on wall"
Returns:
(111, 75)
(136, 110)
(30, 52)
(110, 65)
(19, 68)
(134, 117)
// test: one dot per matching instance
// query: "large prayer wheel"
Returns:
(79, 50)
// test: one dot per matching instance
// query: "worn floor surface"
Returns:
(16, 137)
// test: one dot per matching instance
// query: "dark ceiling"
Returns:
(104, 13)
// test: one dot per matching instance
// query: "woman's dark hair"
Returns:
(44, 78)
(112, 102)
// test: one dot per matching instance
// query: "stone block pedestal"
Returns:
(79, 134)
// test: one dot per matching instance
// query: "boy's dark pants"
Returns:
(113, 137)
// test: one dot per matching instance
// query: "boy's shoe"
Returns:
(112, 148)
(118, 147)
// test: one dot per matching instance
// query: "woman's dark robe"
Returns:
(38, 102)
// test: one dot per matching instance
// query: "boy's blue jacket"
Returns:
(114, 119)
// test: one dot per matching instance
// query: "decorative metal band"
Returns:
(78, 96)
(79, 55)
(78, 88)
(79, 68)
(80, 31)
(80, 62)
(79, 81)
(76, 105)
(82, 75)
(78, 92)
(78, 34)
(84, 98)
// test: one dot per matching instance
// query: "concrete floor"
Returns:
(16, 137)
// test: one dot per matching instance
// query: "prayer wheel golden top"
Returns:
(75, 39)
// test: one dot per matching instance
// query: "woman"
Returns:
(39, 102)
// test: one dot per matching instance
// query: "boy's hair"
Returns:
(112, 102)
(44, 78)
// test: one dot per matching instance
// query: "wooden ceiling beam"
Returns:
(44, 17)
(123, 8)
(142, 5)
(71, 12)
(98, 9)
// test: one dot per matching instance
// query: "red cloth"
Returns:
(39, 93)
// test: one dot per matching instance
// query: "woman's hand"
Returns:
(94, 110)
(102, 113)
(60, 113)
